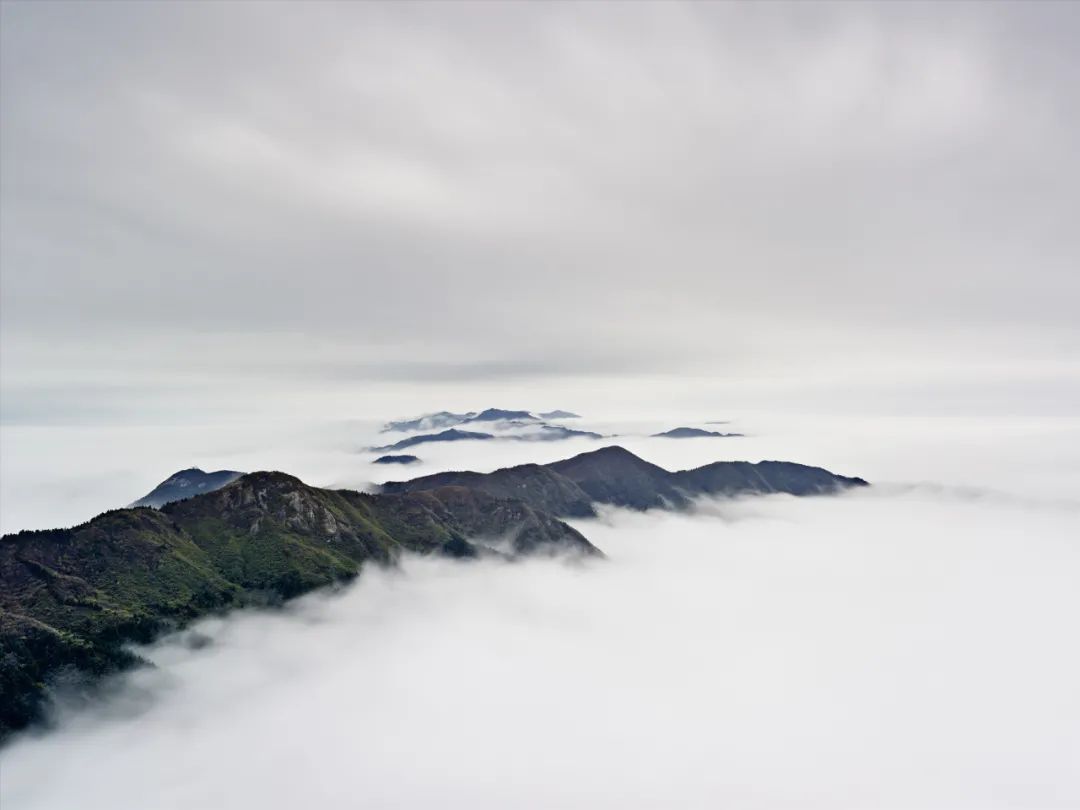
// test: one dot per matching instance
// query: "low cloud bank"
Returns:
(895, 648)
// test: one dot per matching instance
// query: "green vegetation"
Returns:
(73, 598)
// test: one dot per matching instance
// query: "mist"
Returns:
(906, 646)
(244, 235)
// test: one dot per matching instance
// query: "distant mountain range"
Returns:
(429, 421)
(692, 433)
(445, 419)
(535, 433)
(450, 435)
(72, 599)
(499, 415)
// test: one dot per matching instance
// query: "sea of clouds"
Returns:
(907, 646)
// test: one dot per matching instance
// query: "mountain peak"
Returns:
(185, 484)
(498, 415)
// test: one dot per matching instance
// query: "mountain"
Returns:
(691, 433)
(185, 484)
(451, 435)
(448, 419)
(554, 433)
(429, 421)
(546, 433)
(498, 415)
(71, 599)
(537, 485)
(445, 419)
(615, 476)
(404, 459)
(739, 477)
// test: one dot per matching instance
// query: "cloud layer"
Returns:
(386, 191)
(901, 649)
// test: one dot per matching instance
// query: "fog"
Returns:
(907, 646)
(244, 235)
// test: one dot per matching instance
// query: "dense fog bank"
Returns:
(906, 646)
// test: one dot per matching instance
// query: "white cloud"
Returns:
(886, 650)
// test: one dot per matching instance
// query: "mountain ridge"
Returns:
(71, 599)
(614, 476)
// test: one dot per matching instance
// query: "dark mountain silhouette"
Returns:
(554, 433)
(615, 476)
(535, 484)
(499, 415)
(691, 433)
(403, 459)
(557, 414)
(451, 435)
(429, 421)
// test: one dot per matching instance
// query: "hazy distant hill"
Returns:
(499, 415)
(446, 419)
(185, 484)
(429, 421)
(692, 433)
(451, 435)
(401, 459)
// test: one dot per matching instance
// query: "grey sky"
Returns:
(487, 189)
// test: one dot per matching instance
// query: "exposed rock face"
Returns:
(615, 476)
(73, 597)
(186, 484)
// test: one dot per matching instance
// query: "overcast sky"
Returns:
(495, 190)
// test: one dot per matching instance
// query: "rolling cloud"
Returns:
(903, 646)
(869, 650)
